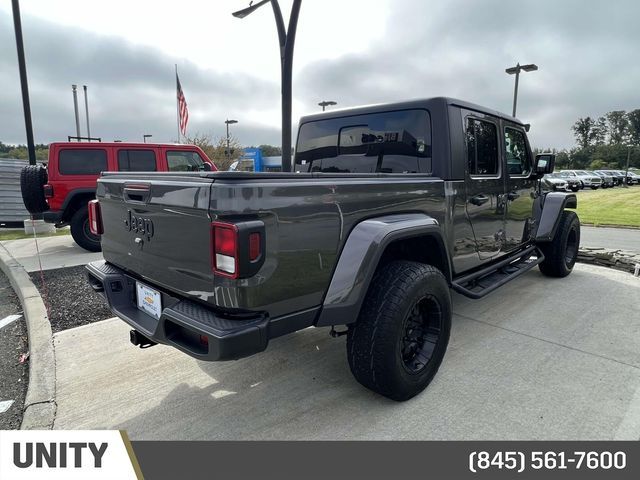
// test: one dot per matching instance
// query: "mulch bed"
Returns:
(69, 298)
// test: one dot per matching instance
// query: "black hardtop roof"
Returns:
(428, 103)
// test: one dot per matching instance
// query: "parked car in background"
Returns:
(62, 190)
(633, 178)
(592, 181)
(571, 183)
(607, 179)
(617, 177)
(555, 180)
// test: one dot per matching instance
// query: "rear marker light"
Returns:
(48, 190)
(254, 246)
(95, 218)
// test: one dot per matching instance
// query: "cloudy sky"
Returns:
(352, 51)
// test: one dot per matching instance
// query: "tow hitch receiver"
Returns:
(140, 340)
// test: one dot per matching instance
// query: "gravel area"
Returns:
(70, 299)
(14, 376)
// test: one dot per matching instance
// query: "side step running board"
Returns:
(484, 281)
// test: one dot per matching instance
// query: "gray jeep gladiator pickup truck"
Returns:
(389, 208)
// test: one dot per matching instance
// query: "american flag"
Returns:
(183, 111)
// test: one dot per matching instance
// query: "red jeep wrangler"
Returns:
(60, 191)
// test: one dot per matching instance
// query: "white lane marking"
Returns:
(7, 320)
(5, 405)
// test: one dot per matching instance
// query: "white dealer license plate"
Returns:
(149, 300)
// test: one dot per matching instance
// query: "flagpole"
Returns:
(177, 105)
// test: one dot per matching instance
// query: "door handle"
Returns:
(137, 193)
(479, 200)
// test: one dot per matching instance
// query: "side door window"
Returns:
(137, 160)
(181, 161)
(518, 199)
(482, 148)
(518, 159)
(484, 185)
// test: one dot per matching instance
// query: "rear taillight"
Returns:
(48, 191)
(225, 249)
(95, 218)
(237, 248)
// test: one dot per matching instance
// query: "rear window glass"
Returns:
(82, 162)
(388, 142)
(184, 161)
(137, 161)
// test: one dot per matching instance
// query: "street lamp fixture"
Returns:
(145, 136)
(531, 67)
(287, 40)
(327, 103)
(230, 122)
(249, 10)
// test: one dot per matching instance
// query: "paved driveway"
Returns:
(619, 238)
(539, 359)
(55, 252)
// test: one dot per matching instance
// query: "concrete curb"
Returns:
(39, 405)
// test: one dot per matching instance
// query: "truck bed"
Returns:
(307, 217)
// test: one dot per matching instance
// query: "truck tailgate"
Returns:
(158, 227)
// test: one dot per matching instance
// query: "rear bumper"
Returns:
(53, 216)
(189, 326)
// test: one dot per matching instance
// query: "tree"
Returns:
(618, 126)
(270, 150)
(583, 131)
(562, 160)
(599, 131)
(633, 119)
(20, 152)
(216, 150)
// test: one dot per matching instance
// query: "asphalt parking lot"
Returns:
(541, 359)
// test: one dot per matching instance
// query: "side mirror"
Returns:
(545, 163)
(206, 167)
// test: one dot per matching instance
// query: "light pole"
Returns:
(86, 108)
(625, 183)
(229, 122)
(287, 40)
(145, 136)
(75, 108)
(516, 70)
(326, 103)
(24, 85)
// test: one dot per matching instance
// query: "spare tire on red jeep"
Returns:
(32, 181)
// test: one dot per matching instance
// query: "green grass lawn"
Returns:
(19, 234)
(613, 206)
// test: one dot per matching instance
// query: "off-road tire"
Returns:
(32, 181)
(560, 254)
(81, 233)
(377, 342)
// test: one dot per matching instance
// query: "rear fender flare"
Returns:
(68, 207)
(554, 204)
(360, 257)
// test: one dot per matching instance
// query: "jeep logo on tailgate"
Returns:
(140, 225)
